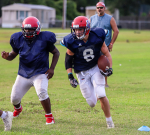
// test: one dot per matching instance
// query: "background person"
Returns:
(105, 21)
(83, 50)
(33, 48)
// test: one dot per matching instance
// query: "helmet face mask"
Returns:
(79, 23)
(29, 33)
(80, 35)
(30, 27)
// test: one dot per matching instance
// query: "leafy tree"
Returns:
(72, 10)
(126, 7)
(84, 3)
(59, 9)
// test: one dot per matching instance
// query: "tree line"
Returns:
(77, 7)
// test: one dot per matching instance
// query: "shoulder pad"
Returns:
(16, 35)
(14, 41)
(99, 32)
(67, 40)
(48, 36)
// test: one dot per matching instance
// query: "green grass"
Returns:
(128, 93)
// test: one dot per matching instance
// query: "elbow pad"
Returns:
(68, 61)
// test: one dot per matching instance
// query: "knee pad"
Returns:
(99, 85)
(91, 102)
(43, 95)
(100, 91)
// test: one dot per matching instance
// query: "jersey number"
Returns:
(88, 54)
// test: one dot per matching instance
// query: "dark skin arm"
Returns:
(1, 112)
(50, 71)
(9, 56)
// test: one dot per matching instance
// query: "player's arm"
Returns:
(50, 71)
(115, 32)
(55, 58)
(68, 65)
(68, 61)
(105, 51)
(9, 56)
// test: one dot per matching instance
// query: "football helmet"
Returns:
(80, 22)
(30, 27)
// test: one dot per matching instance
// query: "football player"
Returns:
(7, 118)
(83, 50)
(33, 47)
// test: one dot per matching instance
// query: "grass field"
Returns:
(128, 94)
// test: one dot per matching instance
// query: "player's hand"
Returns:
(4, 54)
(73, 81)
(107, 73)
(110, 47)
(49, 73)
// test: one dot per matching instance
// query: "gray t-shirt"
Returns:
(102, 22)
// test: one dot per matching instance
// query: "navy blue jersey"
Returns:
(85, 54)
(34, 56)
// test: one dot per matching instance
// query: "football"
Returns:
(103, 63)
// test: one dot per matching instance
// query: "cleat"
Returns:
(110, 124)
(17, 112)
(8, 121)
(49, 119)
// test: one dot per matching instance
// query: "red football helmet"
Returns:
(80, 22)
(30, 27)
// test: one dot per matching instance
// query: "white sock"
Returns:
(48, 113)
(3, 115)
(109, 119)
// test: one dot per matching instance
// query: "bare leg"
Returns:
(105, 106)
(106, 85)
(105, 80)
(46, 105)
(1, 112)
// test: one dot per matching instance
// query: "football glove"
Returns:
(108, 72)
(73, 81)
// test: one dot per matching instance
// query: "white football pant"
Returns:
(92, 85)
(22, 85)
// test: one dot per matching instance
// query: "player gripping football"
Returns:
(83, 50)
